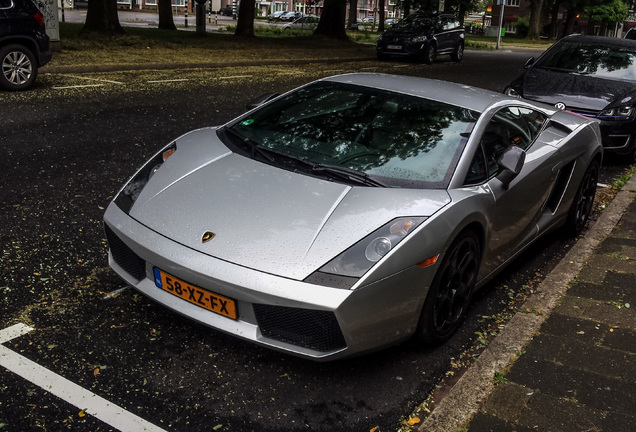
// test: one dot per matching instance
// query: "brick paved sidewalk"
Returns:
(579, 372)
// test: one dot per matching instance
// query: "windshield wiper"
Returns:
(349, 174)
(304, 164)
(253, 147)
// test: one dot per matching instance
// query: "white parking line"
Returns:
(95, 79)
(59, 386)
(236, 76)
(78, 86)
(167, 81)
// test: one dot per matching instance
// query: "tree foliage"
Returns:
(607, 12)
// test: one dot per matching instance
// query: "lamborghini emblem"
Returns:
(207, 236)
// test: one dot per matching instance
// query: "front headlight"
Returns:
(380, 37)
(419, 39)
(624, 112)
(129, 194)
(359, 258)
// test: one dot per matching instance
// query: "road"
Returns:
(68, 146)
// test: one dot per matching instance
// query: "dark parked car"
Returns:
(227, 11)
(631, 33)
(592, 76)
(24, 45)
(423, 36)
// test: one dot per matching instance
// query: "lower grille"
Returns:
(308, 328)
(124, 256)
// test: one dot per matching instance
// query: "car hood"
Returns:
(586, 92)
(406, 32)
(264, 217)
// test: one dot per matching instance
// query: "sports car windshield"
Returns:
(606, 61)
(391, 139)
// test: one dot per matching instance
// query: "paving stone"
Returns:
(612, 245)
(621, 339)
(580, 329)
(547, 413)
(611, 315)
(507, 401)
(487, 423)
(606, 291)
(593, 389)
(580, 355)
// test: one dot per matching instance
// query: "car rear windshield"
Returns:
(590, 59)
(398, 139)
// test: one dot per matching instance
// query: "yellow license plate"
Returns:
(195, 295)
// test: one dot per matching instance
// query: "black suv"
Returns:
(423, 36)
(24, 45)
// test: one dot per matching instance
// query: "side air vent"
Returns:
(560, 185)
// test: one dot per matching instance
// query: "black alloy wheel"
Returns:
(449, 296)
(581, 207)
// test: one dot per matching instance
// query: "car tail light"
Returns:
(40, 19)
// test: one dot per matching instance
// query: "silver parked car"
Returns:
(351, 213)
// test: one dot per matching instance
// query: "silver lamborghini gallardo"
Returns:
(351, 213)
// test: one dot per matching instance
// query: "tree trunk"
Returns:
(332, 20)
(245, 23)
(101, 17)
(381, 16)
(554, 23)
(200, 17)
(534, 30)
(353, 14)
(569, 22)
(165, 15)
(406, 7)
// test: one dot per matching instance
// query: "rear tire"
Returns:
(450, 293)
(19, 67)
(581, 208)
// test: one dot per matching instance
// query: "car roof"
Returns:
(600, 40)
(461, 95)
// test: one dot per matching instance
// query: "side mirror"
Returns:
(264, 98)
(529, 63)
(511, 162)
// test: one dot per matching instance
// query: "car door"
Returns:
(442, 34)
(4, 22)
(518, 206)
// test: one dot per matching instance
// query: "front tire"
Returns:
(458, 54)
(19, 68)
(450, 293)
(581, 208)
(430, 52)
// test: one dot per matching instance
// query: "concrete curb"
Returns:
(470, 392)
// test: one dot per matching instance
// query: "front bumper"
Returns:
(619, 137)
(299, 318)
(401, 48)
